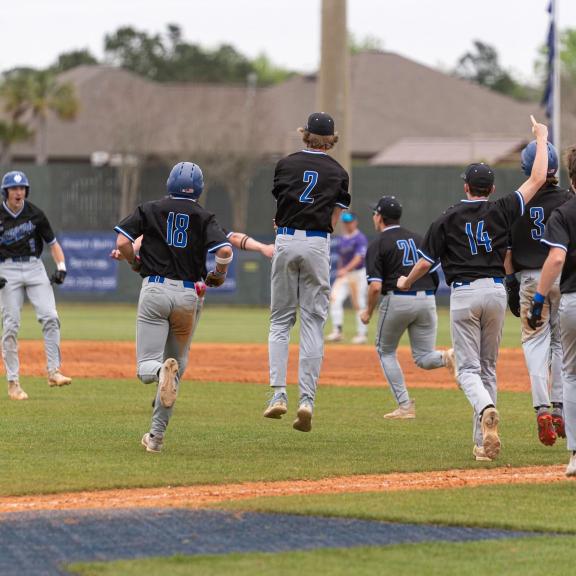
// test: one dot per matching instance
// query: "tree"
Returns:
(481, 65)
(31, 95)
(368, 43)
(72, 59)
(11, 132)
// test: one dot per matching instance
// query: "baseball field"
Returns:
(233, 492)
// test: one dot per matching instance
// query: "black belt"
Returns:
(17, 259)
(412, 292)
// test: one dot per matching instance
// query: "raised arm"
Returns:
(537, 177)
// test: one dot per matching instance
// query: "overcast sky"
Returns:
(434, 32)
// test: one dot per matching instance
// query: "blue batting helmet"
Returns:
(529, 154)
(14, 179)
(185, 180)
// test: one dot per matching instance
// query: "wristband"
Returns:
(224, 261)
(511, 277)
(61, 266)
(539, 298)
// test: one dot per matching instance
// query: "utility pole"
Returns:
(333, 93)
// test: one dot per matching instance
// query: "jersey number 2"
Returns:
(410, 256)
(480, 239)
(311, 178)
(177, 230)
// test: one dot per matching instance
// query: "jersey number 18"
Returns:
(177, 230)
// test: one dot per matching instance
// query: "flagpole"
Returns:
(556, 79)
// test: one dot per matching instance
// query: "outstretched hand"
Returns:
(539, 130)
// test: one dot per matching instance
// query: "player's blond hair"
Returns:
(571, 164)
(317, 141)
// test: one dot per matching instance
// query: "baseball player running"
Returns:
(23, 230)
(177, 233)
(542, 346)
(391, 255)
(471, 240)
(350, 279)
(311, 190)
(560, 238)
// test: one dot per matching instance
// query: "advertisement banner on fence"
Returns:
(88, 262)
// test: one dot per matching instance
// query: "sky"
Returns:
(433, 32)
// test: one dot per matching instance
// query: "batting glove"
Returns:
(535, 312)
(58, 277)
(2, 282)
(513, 292)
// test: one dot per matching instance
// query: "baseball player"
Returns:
(471, 240)
(177, 233)
(350, 279)
(311, 190)
(542, 346)
(560, 238)
(391, 255)
(24, 229)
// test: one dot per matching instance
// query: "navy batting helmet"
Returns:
(185, 180)
(15, 179)
(529, 154)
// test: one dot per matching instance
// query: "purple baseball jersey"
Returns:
(350, 246)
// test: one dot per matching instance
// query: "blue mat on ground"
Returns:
(41, 543)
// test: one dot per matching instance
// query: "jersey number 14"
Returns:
(481, 237)
(177, 230)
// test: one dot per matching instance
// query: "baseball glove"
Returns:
(215, 278)
(535, 314)
(513, 292)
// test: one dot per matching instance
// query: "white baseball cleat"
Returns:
(152, 443)
(56, 378)
(403, 412)
(334, 336)
(168, 382)
(303, 421)
(480, 455)
(490, 438)
(359, 339)
(571, 468)
(15, 391)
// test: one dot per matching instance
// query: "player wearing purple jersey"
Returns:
(350, 280)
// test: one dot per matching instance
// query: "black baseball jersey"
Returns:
(561, 233)
(528, 253)
(23, 234)
(471, 238)
(178, 233)
(307, 186)
(392, 254)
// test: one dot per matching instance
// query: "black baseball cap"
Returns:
(320, 123)
(479, 175)
(388, 207)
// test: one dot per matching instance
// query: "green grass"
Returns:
(219, 324)
(516, 507)
(87, 436)
(522, 557)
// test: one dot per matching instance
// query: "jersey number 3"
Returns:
(537, 215)
(311, 178)
(177, 230)
(480, 239)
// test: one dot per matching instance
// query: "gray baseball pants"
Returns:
(477, 312)
(300, 279)
(568, 334)
(28, 279)
(417, 314)
(542, 347)
(168, 314)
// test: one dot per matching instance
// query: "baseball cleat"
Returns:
(15, 391)
(359, 339)
(490, 438)
(450, 361)
(403, 412)
(152, 443)
(558, 422)
(334, 336)
(303, 421)
(571, 468)
(168, 382)
(56, 378)
(277, 407)
(546, 431)
(480, 455)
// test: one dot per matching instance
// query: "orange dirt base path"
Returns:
(201, 496)
(344, 365)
